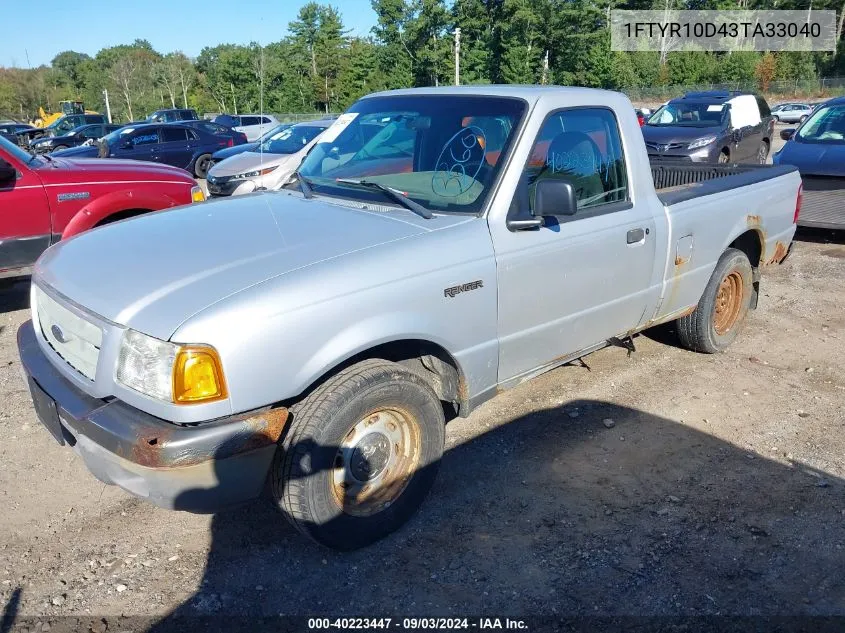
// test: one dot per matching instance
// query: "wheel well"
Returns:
(429, 360)
(750, 244)
(726, 150)
(121, 215)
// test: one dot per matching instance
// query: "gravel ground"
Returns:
(667, 483)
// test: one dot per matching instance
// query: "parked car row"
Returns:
(187, 144)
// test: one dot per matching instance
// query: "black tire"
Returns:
(202, 165)
(724, 157)
(699, 331)
(306, 466)
(762, 152)
(802, 119)
(776, 119)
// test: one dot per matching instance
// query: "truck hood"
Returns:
(676, 134)
(63, 170)
(813, 159)
(153, 272)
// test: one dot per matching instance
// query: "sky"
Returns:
(87, 26)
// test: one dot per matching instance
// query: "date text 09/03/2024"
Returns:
(417, 623)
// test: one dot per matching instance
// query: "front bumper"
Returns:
(201, 468)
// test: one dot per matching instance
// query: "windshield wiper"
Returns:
(397, 195)
(304, 185)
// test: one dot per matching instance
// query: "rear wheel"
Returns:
(202, 165)
(360, 454)
(722, 309)
(762, 152)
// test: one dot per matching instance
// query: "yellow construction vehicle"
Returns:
(66, 108)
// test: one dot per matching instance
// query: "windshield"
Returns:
(63, 126)
(690, 114)
(290, 140)
(274, 131)
(442, 151)
(18, 152)
(825, 125)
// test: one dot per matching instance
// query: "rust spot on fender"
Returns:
(247, 433)
(752, 220)
(781, 250)
(680, 261)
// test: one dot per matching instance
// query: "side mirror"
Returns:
(554, 197)
(7, 173)
(787, 134)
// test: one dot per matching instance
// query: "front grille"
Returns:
(665, 147)
(74, 339)
(823, 203)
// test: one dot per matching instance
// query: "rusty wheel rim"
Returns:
(376, 461)
(728, 303)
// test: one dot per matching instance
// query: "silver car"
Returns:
(791, 112)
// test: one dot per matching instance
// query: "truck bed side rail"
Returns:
(679, 181)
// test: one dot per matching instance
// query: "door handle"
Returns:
(636, 235)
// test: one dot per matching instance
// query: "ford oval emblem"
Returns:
(57, 332)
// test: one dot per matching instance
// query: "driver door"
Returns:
(578, 279)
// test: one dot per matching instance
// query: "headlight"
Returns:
(254, 174)
(701, 142)
(197, 194)
(181, 374)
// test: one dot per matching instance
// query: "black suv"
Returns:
(173, 115)
(711, 127)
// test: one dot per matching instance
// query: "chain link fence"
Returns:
(810, 89)
(287, 117)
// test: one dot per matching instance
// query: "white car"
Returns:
(253, 125)
(270, 165)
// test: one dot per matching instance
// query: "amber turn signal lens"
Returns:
(198, 376)
(197, 194)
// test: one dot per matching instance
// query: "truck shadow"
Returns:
(587, 508)
(14, 295)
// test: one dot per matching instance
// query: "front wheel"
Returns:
(721, 311)
(762, 153)
(360, 454)
(202, 165)
(802, 119)
(724, 157)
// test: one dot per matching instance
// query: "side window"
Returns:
(582, 146)
(249, 120)
(95, 131)
(145, 137)
(264, 119)
(172, 134)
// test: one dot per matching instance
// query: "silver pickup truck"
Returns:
(437, 247)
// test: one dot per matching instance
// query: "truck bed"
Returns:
(679, 181)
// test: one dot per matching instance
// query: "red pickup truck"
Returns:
(45, 199)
